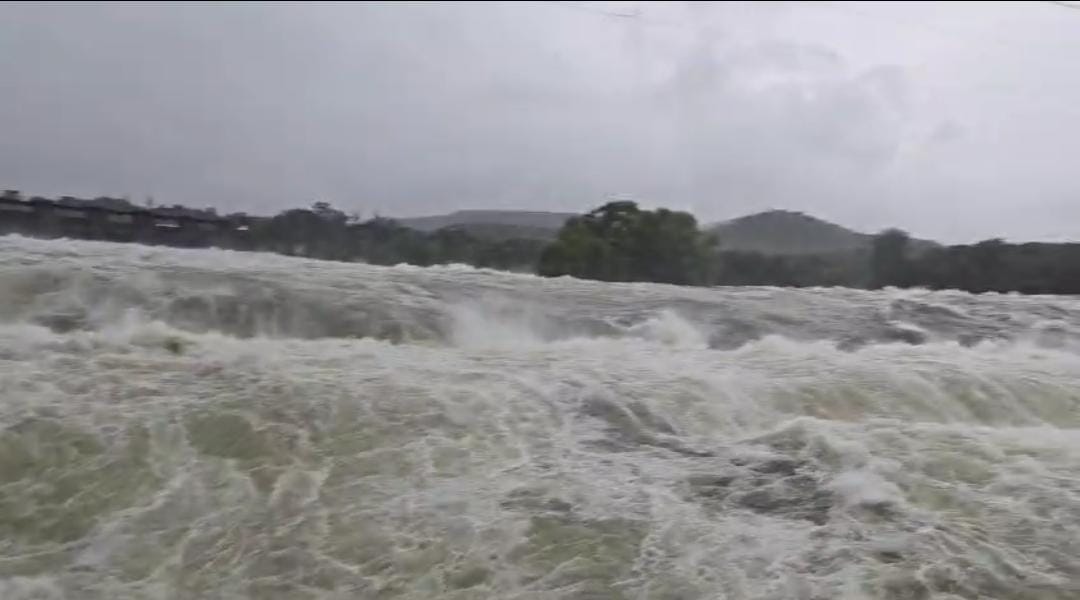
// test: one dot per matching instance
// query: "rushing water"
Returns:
(210, 424)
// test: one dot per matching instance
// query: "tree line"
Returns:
(988, 266)
(320, 231)
(327, 233)
(621, 242)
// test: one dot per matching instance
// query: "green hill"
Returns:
(787, 232)
(494, 224)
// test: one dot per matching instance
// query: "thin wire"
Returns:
(959, 35)
(963, 37)
(595, 11)
(1063, 4)
(636, 17)
(848, 8)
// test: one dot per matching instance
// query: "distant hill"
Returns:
(790, 232)
(494, 223)
(787, 232)
(771, 232)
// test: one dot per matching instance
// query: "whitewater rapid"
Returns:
(213, 424)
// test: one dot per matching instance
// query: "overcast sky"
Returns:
(956, 121)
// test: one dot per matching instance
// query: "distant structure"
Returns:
(117, 220)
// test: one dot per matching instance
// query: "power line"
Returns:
(964, 37)
(595, 11)
(948, 32)
(636, 17)
(1063, 4)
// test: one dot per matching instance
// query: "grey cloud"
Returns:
(946, 131)
(774, 131)
(412, 109)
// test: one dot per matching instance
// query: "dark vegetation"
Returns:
(618, 241)
(990, 265)
(504, 223)
(320, 231)
(323, 232)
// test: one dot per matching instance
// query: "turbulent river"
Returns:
(199, 424)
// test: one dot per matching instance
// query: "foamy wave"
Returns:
(211, 424)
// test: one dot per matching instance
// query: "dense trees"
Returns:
(993, 265)
(847, 269)
(889, 261)
(327, 233)
(615, 242)
(621, 242)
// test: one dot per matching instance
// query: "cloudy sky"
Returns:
(956, 121)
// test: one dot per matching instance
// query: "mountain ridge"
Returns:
(787, 232)
(494, 223)
(775, 231)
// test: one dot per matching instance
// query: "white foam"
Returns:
(494, 325)
(866, 488)
(404, 464)
(669, 328)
